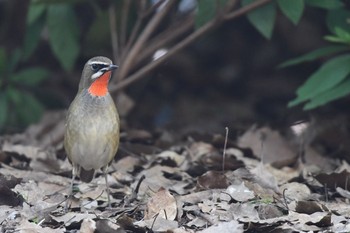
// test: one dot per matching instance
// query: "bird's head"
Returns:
(96, 74)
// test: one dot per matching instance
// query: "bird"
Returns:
(92, 128)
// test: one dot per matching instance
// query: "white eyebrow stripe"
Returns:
(98, 63)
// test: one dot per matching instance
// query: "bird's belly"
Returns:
(93, 142)
(91, 153)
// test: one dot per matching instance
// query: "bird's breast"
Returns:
(92, 131)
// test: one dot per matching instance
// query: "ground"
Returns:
(161, 182)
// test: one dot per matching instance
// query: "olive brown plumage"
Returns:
(91, 137)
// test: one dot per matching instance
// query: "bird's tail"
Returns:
(86, 175)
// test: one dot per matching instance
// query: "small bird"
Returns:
(91, 136)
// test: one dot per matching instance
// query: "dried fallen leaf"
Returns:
(225, 227)
(213, 180)
(239, 192)
(28, 227)
(88, 226)
(158, 224)
(295, 191)
(264, 178)
(335, 180)
(269, 146)
(7, 196)
(178, 159)
(310, 207)
(72, 218)
(161, 205)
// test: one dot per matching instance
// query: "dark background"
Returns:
(229, 77)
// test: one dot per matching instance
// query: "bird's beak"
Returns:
(111, 67)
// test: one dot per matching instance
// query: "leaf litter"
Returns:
(167, 183)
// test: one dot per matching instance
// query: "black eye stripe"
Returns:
(96, 67)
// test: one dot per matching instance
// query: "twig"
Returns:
(135, 31)
(142, 39)
(285, 199)
(203, 216)
(135, 192)
(165, 38)
(137, 188)
(114, 34)
(124, 22)
(182, 44)
(245, 9)
(224, 152)
(153, 8)
(155, 218)
(230, 5)
(262, 139)
(95, 199)
(185, 42)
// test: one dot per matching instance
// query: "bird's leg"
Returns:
(74, 175)
(107, 187)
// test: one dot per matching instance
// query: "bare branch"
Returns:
(188, 40)
(142, 39)
(114, 34)
(171, 34)
(205, 28)
(124, 22)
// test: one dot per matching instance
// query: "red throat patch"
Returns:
(100, 86)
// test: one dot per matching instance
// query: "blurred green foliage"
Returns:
(63, 31)
(208, 9)
(18, 105)
(332, 80)
(70, 35)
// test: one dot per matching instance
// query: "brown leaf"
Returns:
(225, 227)
(334, 180)
(269, 146)
(88, 226)
(310, 207)
(212, 180)
(162, 204)
(267, 211)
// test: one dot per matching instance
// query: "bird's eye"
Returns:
(95, 67)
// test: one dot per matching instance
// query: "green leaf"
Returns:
(31, 76)
(262, 18)
(98, 35)
(293, 9)
(338, 19)
(14, 96)
(34, 12)
(63, 34)
(30, 109)
(207, 10)
(328, 76)
(342, 36)
(325, 4)
(321, 52)
(341, 90)
(32, 38)
(14, 60)
(27, 108)
(345, 35)
(3, 110)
